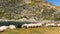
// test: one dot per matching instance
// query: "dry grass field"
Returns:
(39, 30)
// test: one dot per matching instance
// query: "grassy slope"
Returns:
(58, 7)
(41, 30)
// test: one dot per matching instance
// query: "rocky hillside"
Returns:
(37, 9)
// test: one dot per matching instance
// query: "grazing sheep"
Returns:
(52, 24)
(24, 25)
(5, 27)
(2, 28)
(12, 26)
(48, 24)
(58, 25)
(34, 25)
(30, 25)
(39, 24)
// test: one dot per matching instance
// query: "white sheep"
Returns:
(39, 24)
(2, 28)
(48, 24)
(12, 26)
(29, 25)
(58, 25)
(24, 25)
(33, 25)
(51, 24)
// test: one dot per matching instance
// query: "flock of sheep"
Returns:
(40, 24)
(3, 28)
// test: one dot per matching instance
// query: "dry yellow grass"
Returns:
(40, 30)
(58, 7)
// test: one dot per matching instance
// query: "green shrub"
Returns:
(32, 3)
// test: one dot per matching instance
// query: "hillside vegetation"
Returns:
(37, 9)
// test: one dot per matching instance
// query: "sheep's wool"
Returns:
(12, 27)
(1, 29)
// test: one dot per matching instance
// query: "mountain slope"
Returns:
(37, 9)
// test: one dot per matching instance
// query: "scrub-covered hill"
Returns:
(37, 9)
